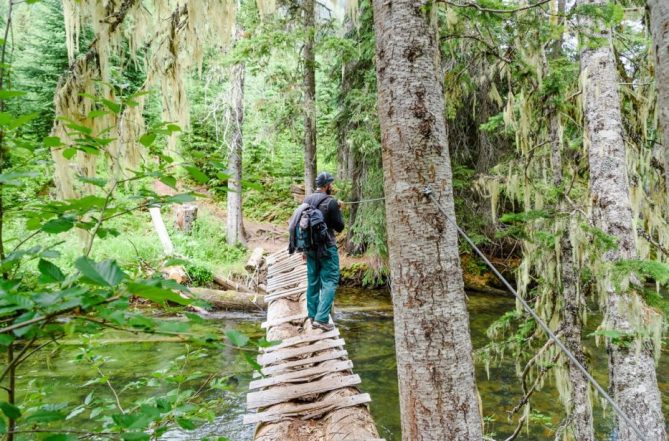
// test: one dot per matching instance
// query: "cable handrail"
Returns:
(427, 191)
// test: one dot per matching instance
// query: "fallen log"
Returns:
(231, 284)
(230, 299)
(255, 260)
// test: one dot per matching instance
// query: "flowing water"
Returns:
(364, 318)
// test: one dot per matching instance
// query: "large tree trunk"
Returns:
(309, 62)
(632, 376)
(235, 225)
(579, 407)
(356, 170)
(438, 397)
(659, 27)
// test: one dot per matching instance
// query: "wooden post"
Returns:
(186, 215)
(159, 226)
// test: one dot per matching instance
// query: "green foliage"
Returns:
(199, 275)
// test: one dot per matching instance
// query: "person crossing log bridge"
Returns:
(306, 389)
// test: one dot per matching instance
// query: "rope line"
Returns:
(362, 200)
(427, 191)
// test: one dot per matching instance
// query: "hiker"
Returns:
(319, 248)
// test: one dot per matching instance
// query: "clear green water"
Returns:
(370, 342)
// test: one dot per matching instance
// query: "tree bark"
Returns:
(235, 223)
(579, 408)
(438, 396)
(356, 170)
(309, 104)
(632, 376)
(659, 27)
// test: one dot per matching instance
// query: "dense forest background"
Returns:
(109, 109)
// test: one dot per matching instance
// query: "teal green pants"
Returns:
(323, 278)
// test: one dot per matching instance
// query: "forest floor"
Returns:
(364, 270)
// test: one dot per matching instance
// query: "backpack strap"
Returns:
(319, 201)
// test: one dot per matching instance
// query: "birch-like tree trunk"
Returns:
(632, 376)
(438, 396)
(235, 224)
(659, 27)
(309, 109)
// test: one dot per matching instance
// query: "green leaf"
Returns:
(180, 198)
(79, 128)
(45, 416)
(50, 272)
(185, 423)
(135, 436)
(98, 182)
(252, 361)
(52, 141)
(264, 343)
(156, 293)
(196, 174)
(236, 337)
(3, 426)
(111, 105)
(105, 273)
(6, 339)
(10, 410)
(168, 180)
(147, 139)
(69, 153)
(58, 225)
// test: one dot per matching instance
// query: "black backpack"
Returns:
(311, 231)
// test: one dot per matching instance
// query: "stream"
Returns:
(364, 318)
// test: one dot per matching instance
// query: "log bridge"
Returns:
(306, 389)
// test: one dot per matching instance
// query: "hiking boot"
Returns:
(322, 325)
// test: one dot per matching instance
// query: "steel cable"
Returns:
(427, 191)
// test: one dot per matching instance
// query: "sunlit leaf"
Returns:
(98, 182)
(45, 416)
(105, 273)
(58, 225)
(147, 139)
(49, 272)
(10, 410)
(158, 294)
(236, 337)
(196, 174)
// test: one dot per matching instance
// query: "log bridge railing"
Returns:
(306, 389)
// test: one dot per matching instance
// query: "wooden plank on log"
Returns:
(288, 291)
(280, 394)
(282, 320)
(292, 292)
(273, 357)
(302, 375)
(304, 338)
(290, 275)
(283, 267)
(294, 270)
(293, 278)
(274, 370)
(297, 410)
(287, 284)
(286, 258)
